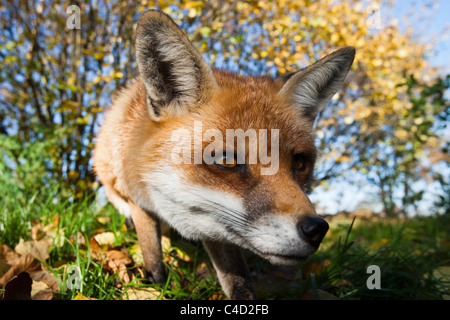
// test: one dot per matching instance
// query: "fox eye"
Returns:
(226, 163)
(298, 164)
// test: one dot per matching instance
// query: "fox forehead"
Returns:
(250, 102)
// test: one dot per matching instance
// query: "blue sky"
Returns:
(425, 27)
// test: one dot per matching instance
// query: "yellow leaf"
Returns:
(99, 55)
(79, 296)
(278, 61)
(141, 294)
(104, 220)
(334, 37)
(117, 75)
(348, 120)
(192, 13)
(105, 238)
(418, 121)
(401, 134)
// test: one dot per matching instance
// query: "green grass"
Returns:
(408, 253)
(74, 224)
(413, 255)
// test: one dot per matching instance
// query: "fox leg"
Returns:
(149, 237)
(231, 269)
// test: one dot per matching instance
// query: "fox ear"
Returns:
(175, 76)
(311, 88)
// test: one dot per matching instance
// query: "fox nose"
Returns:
(312, 230)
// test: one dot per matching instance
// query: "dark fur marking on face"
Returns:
(257, 201)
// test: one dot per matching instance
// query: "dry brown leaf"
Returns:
(118, 256)
(25, 260)
(4, 265)
(36, 231)
(24, 263)
(50, 232)
(94, 247)
(117, 261)
(41, 291)
(9, 255)
(141, 294)
(38, 249)
(46, 277)
(203, 271)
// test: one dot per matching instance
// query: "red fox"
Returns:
(226, 202)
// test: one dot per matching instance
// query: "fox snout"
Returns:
(312, 230)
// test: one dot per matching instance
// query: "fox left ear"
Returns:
(176, 77)
(311, 88)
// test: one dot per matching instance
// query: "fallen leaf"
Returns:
(40, 291)
(36, 232)
(136, 254)
(38, 249)
(9, 255)
(118, 256)
(51, 232)
(4, 265)
(141, 294)
(218, 296)
(94, 246)
(105, 238)
(79, 296)
(44, 285)
(54, 234)
(165, 243)
(18, 288)
(203, 271)
(104, 220)
(116, 261)
(79, 239)
(24, 263)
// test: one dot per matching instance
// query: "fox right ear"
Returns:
(309, 89)
(176, 77)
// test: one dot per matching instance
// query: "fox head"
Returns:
(226, 199)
